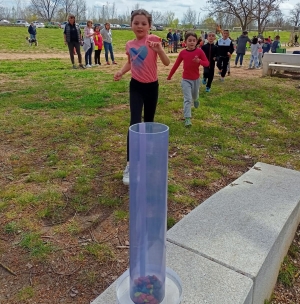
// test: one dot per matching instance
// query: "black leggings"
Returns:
(142, 95)
(97, 56)
(222, 65)
(209, 75)
(71, 46)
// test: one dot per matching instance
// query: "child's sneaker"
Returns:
(107, 63)
(196, 104)
(207, 90)
(126, 176)
(88, 66)
(203, 81)
(222, 79)
(81, 66)
(228, 73)
(114, 62)
(74, 67)
(187, 122)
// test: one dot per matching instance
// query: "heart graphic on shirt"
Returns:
(137, 56)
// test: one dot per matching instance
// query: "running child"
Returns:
(225, 50)
(142, 55)
(192, 58)
(210, 50)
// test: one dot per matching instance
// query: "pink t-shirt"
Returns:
(143, 59)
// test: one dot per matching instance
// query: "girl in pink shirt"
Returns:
(192, 58)
(142, 53)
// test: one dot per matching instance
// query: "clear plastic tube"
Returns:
(148, 175)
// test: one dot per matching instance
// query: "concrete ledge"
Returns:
(203, 281)
(229, 249)
(248, 226)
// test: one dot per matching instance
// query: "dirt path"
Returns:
(16, 56)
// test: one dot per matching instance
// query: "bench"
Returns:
(276, 61)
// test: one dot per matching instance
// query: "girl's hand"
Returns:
(118, 76)
(155, 46)
(196, 59)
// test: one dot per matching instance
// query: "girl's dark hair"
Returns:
(141, 12)
(188, 34)
(254, 40)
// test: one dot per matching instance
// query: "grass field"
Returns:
(51, 40)
(62, 152)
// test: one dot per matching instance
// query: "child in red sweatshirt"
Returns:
(98, 41)
(192, 58)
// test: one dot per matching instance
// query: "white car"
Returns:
(3, 21)
(38, 24)
(62, 26)
(22, 23)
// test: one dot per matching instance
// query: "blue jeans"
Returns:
(254, 59)
(88, 55)
(32, 36)
(239, 56)
(108, 48)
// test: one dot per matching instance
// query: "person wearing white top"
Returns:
(255, 46)
(88, 45)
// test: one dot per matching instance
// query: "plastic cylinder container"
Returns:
(148, 175)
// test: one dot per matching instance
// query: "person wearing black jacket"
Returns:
(210, 50)
(225, 49)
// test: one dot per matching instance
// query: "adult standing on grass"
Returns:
(107, 41)
(32, 31)
(72, 38)
(142, 55)
(241, 48)
(88, 45)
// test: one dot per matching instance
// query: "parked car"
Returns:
(38, 24)
(82, 24)
(159, 27)
(4, 21)
(22, 23)
(116, 26)
(153, 28)
(62, 26)
(99, 24)
(125, 26)
(53, 24)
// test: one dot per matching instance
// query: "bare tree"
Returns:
(295, 15)
(168, 18)
(79, 9)
(189, 17)
(262, 10)
(46, 9)
(113, 11)
(156, 17)
(67, 6)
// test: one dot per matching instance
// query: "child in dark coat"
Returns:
(210, 50)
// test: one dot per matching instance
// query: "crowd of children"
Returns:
(142, 53)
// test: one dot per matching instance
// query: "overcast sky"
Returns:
(179, 7)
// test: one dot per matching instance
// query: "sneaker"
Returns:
(114, 62)
(81, 66)
(228, 73)
(204, 81)
(219, 72)
(126, 176)
(187, 122)
(196, 104)
(88, 66)
(107, 63)
(74, 67)
(207, 90)
(258, 68)
(222, 79)
(241, 66)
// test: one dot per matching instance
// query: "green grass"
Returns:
(51, 40)
(63, 144)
